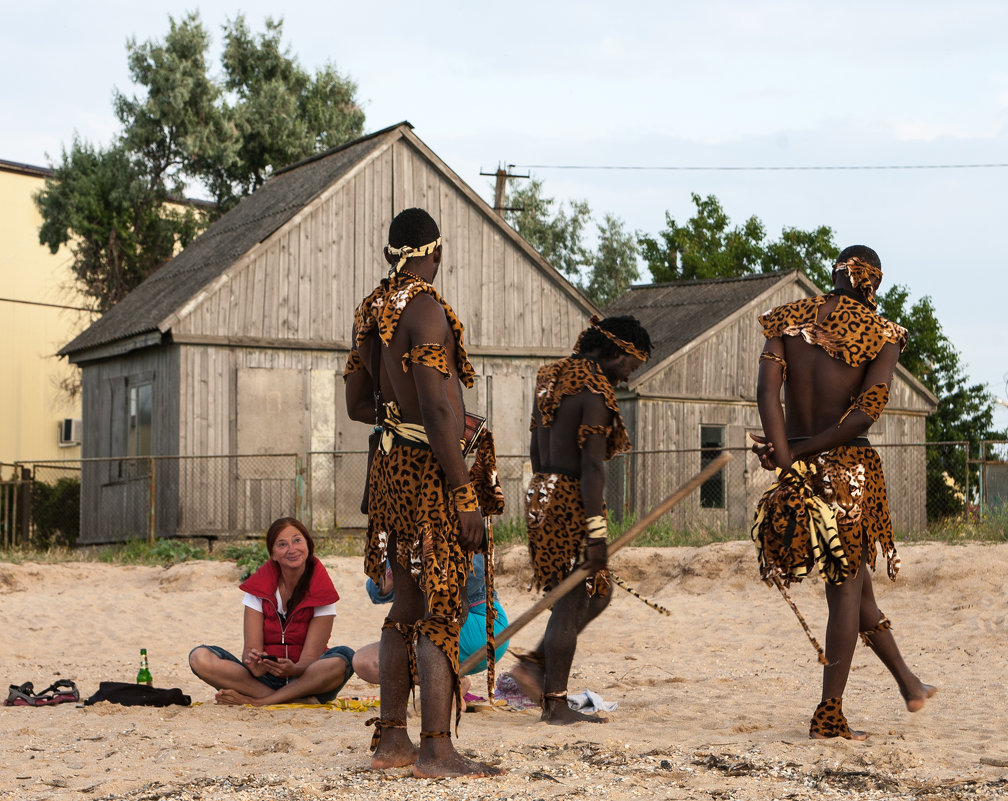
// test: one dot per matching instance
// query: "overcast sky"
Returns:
(635, 84)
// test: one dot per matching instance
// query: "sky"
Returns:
(671, 87)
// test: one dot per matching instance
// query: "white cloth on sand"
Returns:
(589, 701)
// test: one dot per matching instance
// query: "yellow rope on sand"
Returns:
(342, 704)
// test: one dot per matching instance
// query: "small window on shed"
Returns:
(139, 416)
(712, 443)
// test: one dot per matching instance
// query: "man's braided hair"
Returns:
(625, 327)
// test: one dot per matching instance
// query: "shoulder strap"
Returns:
(376, 380)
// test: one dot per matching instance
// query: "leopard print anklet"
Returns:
(829, 720)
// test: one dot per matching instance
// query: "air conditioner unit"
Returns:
(69, 432)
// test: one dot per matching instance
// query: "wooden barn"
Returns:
(699, 391)
(233, 352)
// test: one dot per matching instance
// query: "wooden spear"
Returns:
(581, 573)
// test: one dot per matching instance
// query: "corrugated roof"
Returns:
(247, 224)
(679, 312)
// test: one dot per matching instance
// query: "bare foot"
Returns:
(558, 713)
(529, 677)
(915, 701)
(854, 735)
(235, 698)
(452, 763)
(395, 750)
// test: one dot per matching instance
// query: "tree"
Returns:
(556, 235)
(119, 231)
(965, 412)
(603, 274)
(706, 247)
(118, 207)
(614, 264)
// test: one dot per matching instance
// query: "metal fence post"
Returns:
(24, 495)
(299, 490)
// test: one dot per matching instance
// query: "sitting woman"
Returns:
(289, 603)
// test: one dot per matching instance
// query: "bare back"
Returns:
(423, 322)
(556, 447)
(819, 388)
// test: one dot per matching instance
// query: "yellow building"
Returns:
(40, 311)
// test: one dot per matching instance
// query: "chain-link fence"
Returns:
(93, 501)
(994, 475)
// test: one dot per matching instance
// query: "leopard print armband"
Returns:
(430, 355)
(353, 365)
(872, 401)
(770, 356)
(465, 498)
(585, 431)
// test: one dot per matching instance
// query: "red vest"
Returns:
(286, 637)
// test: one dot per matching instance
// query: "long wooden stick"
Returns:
(581, 573)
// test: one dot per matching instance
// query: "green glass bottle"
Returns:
(144, 675)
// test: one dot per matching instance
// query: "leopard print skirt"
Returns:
(851, 480)
(409, 504)
(555, 520)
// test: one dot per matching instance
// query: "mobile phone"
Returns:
(270, 657)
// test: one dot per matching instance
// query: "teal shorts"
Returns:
(472, 637)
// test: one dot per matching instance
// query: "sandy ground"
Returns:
(714, 701)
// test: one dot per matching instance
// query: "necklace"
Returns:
(414, 276)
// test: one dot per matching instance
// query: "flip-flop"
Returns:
(21, 695)
(59, 692)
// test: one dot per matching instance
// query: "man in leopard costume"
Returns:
(834, 356)
(425, 508)
(576, 426)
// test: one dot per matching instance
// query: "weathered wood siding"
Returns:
(315, 269)
(115, 495)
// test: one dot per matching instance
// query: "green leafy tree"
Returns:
(708, 247)
(114, 207)
(557, 231)
(965, 412)
(557, 235)
(614, 264)
(100, 203)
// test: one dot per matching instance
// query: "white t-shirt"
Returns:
(254, 602)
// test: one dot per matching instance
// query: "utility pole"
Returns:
(500, 187)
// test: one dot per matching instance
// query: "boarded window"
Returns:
(712, 491)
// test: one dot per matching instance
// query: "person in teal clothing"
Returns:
(472, 637)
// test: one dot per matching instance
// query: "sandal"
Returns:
(59, 692)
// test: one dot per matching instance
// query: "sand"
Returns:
(714, 701)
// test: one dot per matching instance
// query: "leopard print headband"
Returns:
(409, 252)
(622, 344)
(862, 276)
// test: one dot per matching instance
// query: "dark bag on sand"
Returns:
(127, 694)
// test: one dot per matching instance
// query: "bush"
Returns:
(55, 512)
(248, 557)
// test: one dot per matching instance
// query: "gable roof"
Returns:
(206, 257)
(140, 318)
(679, 313)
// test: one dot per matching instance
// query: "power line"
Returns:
(771, 168)
(47, 305)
